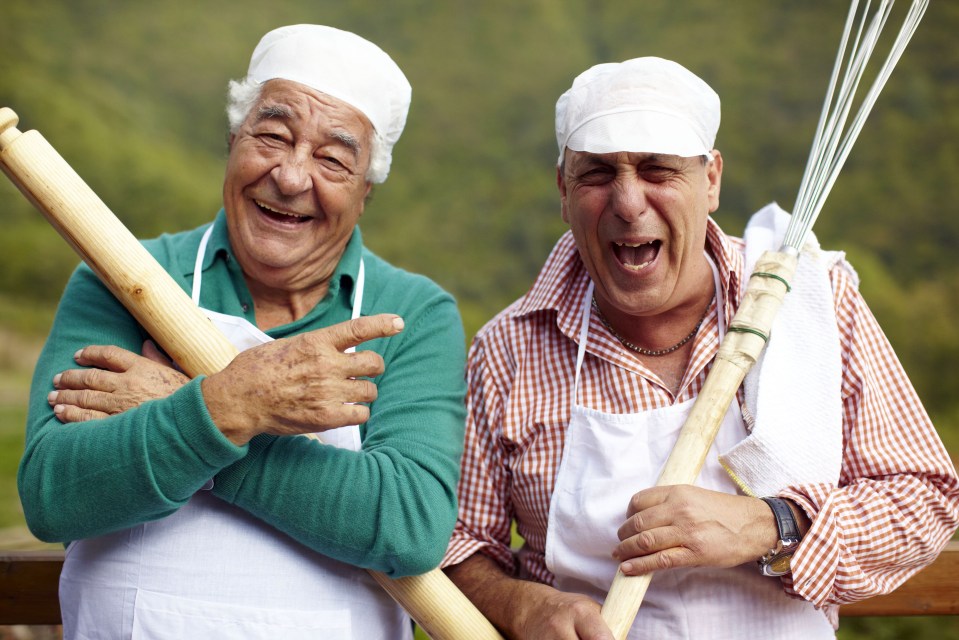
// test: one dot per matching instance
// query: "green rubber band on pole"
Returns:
(752, 331)
(765, 274)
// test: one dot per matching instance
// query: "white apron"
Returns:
(211, 570)
(609, 457)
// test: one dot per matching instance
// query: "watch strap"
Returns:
(777, 561)
(785, 520)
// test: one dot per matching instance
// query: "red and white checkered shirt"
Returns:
(897, 502)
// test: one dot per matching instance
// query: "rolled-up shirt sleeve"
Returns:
(897, 501)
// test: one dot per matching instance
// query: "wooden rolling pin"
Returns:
(187, 335)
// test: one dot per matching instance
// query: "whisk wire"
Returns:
(832, 141)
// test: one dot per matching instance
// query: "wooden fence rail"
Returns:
(28, 589)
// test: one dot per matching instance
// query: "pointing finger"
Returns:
(355, 332)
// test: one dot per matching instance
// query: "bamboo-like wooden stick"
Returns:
(738, 352)
(187, 335)
(438, 606)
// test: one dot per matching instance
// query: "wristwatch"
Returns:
(776, 561)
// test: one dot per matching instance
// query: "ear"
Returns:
(714, 174)
(367, 195)
(561, 185)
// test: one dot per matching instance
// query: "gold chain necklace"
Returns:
(652, 352)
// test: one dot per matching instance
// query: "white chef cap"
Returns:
(343, 65)
(648, 105)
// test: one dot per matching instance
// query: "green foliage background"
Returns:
(131, 94)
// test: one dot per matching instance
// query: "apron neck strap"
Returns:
(358, 290)
(198, 266)
(720, 299)
(358, 296)
(583, 337)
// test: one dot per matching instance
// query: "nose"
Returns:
(292, 173)
(628, 198)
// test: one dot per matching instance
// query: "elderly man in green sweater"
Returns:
(189, 507)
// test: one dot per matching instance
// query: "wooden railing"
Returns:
(28, 589)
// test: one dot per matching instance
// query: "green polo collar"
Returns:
(341, 287)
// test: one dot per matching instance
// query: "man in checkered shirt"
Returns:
(826, 469)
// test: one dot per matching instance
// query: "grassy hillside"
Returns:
(132, 96)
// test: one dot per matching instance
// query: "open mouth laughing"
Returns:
(636, 257)
(286, 217)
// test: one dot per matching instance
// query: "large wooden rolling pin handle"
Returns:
(187, 335)
(737, 354)
(124, 266)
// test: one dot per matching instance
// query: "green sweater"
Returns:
(390, 507)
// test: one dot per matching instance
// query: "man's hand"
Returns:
(686, 526)
(116, 381)
(527, 610)
(563, 616)
(302, 384)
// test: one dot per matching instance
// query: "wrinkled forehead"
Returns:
(573, 158)
(296, 104)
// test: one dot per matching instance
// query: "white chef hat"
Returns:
(648, 105)
(340, 64)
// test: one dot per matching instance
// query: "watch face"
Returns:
(778, 561)
(780, 565)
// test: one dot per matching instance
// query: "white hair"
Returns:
(243, 94)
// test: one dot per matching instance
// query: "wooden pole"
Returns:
(187, 335)
(127, 269)
(738, 352)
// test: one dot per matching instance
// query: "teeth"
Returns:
(282, 213)
(631, 254)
